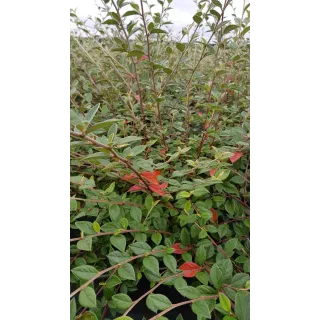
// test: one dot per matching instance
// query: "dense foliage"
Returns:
(160, 162)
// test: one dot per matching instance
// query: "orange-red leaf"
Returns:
(129, 177)
(215, 215)
(157, 172)
(190, 269)
(136, 188)
(157, 189)
(236, 156)
(145, 57)
(206, 126)
(177, 248)
(150, 176)
(212, 172)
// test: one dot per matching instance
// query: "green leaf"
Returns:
(201, 309)
(185, 237)
(203, 277)
(203, 234)
(150, 26)
(103, 125)
(91, 113)
(223, 230)
(229, 318)
(130, 13)
(119, 242)
(180, 283)
(180, 46)
(96, 226)
(239, 280)
(85, 244)
(111, 22)
(229, 28)
(221, 174)
(134, 6)
(189, 292)
(137, 150)
(112, 130)
(225, 302)
(245, 30)
(112, 281)
(114, 212)
(242, 305)
(230, 207)
(170, 262)
(85, 226)
(73, 204)
(85, 272)
(122, 301)
(140, 248)
(126, 271)
(183, 194)
(87, 298)
(151, 263)
(217, 3)
(124, 223)
(156, 238)
(197, 19)
(136, 214)
(135, 53)
(201, 255)
(155, 30)
(216, 276)
(73, 309)
(200, 192)
(116, 257)
(123, 318)
(148, 202)
(88, 315)
(157, 302)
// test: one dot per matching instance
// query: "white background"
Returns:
(34, 208)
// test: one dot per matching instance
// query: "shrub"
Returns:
(160, 162)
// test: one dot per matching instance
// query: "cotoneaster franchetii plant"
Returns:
(160, 162)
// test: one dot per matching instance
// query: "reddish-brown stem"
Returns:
(176, 305)
(150, 291)
(135, 74)
(100, 273)
(152, 72)
(123, 160)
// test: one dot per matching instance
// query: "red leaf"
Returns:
(215, 215)
(190, 269)
(236, 156)
(212, 172)
(157, 189)
(142, 58)
(206, 126)
(200, 113)
(163, 185)
(129, 177)
(157, 172)
(150, 176)
(163, 152)
(136, 188)
(177, 248)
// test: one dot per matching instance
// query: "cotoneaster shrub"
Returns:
(160, 162)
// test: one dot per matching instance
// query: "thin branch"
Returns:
(176, 305)
(123, 160)
(100, 273)
(150, 291)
